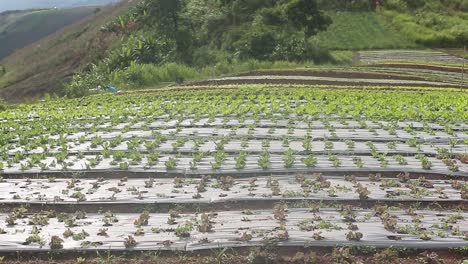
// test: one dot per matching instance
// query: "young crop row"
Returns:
(57, 123)
(226, 188)
(393, 105)
(144, 149)
(220, 162)
(123, 140)
(253, 141)
(273, 122)
(382, 226)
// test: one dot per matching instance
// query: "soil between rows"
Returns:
(118, 174)
(417, 66)
(193, 87)
(334, 74)
(303, 82)
(226, 206)
(284, 255)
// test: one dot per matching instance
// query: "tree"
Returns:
(239, 11)
(165, 16)
(305, 15)
(374, 4)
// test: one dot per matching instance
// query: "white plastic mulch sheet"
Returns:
(228, 228)
(185, 190)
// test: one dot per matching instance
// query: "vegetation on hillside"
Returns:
(395, 24)
(203, 33)
(213, 34)
(433, 23)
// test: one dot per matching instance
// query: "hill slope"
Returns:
(43, 66)
(18, 29)
(30, 4)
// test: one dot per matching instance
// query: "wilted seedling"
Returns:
(354, 236)
(11, 220)
(205, 225)
(130, 242)
(56, 243)
(280, 212)
(142, 219)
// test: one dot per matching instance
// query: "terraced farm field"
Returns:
(196, 169)
(410, 56)
(380, 68)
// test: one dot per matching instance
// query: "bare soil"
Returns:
(418, 66)
(302, 82)
(246, 255)
(225, 206)
(333, 74)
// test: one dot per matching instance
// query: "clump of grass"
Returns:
(143, 75)
(430, 28)
(138, 76)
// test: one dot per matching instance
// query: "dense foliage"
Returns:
(208, 32)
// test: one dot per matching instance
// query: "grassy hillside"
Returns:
(361, 30)
(432, 28)
(45, 65)
(18, 29)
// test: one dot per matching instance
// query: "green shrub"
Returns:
(141, 48)
(206, 55)
(399, 5)
(271, 17)
(298, 49)
(225, 67)
(143, 75)
(256, 45)
(3, 105)
(340, 5)
(414, 4)
(84, 83)
(460, 32)
(342, 57)
(2, 70)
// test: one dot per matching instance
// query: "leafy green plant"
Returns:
(124, 165)
(241, 160)
(289, 158)
(310, 161)
(184, 229)
(264, 160)
(171, 163)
